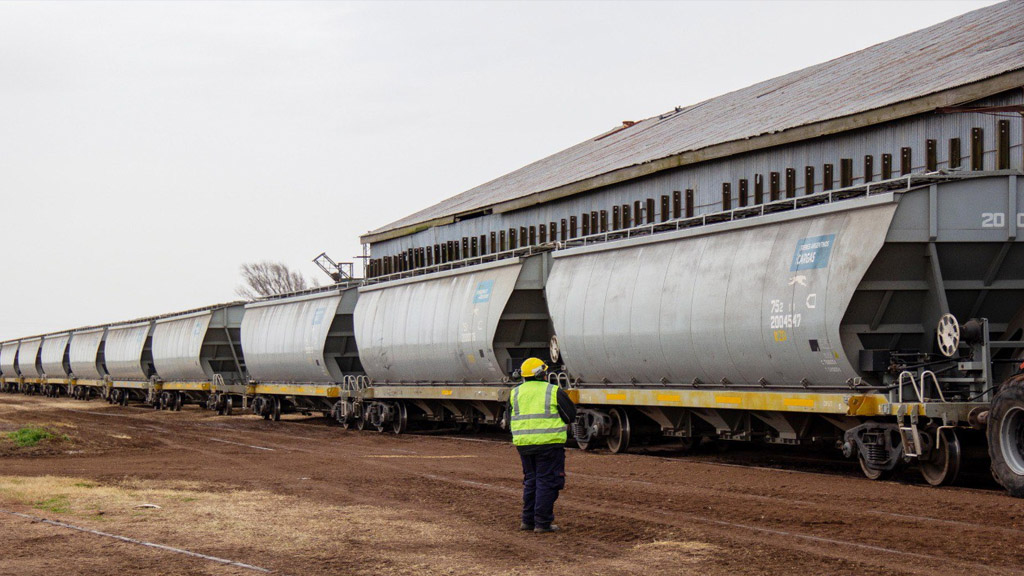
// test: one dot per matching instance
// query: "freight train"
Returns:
(885, 318)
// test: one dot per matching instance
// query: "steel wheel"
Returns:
(228, 405)
(179, 399)
(400, 423)
(618, 436)
(872, 474)
(943, 465)
(259, 407)
(276, 409)
(584, 445)
(686, 445)
(361, 423)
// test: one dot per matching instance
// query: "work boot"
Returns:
(546, 529)
(525, 526)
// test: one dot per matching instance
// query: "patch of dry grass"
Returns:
(192, 514)
(677, 550)
(661, 556)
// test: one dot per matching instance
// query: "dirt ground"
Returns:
(196, 493)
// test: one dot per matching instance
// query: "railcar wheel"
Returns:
(259, 407)
(504, 421)
(228, 405)
(400, 422)
(618, 436)
(361, 423)
(943, 466)
(584, 445)
(1006, 437)
(179, 399)
(276, 413)
(871, 473)
(687, 444)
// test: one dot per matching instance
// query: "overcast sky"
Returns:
(148, 149)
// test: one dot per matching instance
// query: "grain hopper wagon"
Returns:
(10, 376)
(56, 364)
(128, 358)
(197, 358)
(300, 351)
(88, 366)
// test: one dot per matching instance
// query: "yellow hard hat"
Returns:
(532, 367)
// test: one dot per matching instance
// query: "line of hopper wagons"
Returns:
(741, 330)
(292, 353)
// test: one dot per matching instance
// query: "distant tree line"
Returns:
(266, 278)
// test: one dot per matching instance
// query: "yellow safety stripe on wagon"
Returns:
(135, 385)
(189, 386)
(825, 403)
(329, 391)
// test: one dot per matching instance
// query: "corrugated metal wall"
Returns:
(707, 179)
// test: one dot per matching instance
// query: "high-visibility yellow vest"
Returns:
(535, 418)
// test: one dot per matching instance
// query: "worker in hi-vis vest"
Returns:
(541, 414)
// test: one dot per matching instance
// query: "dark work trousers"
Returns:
(543, 477)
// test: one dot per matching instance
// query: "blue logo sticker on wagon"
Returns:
(483, 292)
(812, 252)
(318, 315)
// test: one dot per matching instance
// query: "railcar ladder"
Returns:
(910, 434)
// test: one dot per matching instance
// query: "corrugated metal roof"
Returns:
(964, 50)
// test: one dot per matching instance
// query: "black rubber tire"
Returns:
(1006, 447)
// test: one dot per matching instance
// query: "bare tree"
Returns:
(268, 278)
